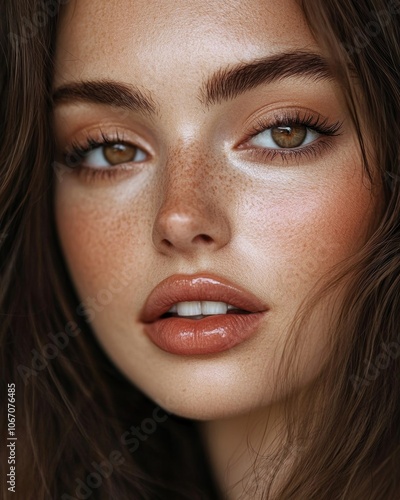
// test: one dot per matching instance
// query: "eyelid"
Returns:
(93, 139)
(267, 132)
(98, 152)
(326, 128)
(292, 116)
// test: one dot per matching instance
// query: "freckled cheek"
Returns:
(100, 242)
(298, 236)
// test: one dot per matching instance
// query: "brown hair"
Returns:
(344, 441)
(73, 407)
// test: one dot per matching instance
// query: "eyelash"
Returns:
(289, 119)
(79, 150)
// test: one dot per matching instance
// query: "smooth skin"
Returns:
(201, 195)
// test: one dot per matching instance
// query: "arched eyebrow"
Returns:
(226, 84)
(110, 92)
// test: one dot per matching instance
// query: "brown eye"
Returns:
(120, 153)
(289, 136)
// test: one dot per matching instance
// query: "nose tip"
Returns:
(189, 228)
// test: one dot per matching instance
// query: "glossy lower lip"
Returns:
(203, 336)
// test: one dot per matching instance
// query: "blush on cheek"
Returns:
(308, 231)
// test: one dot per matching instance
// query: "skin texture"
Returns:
(273, 226)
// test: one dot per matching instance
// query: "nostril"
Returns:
(168, 243)
(204, 237)
(200, 237)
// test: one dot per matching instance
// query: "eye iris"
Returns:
(119, 153)
(289, 137)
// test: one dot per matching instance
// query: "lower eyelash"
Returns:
(89, 173)
(309, 152)
(80, 149)
(316, 124)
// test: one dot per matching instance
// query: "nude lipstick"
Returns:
(196, 334)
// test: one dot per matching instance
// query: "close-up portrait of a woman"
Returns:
(200, 249)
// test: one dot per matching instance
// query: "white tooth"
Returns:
(189, 308)
(173, 309)
(231, 307)
(208, 307)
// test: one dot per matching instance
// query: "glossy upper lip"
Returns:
(204, 286)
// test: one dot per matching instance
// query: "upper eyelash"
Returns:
(290, 118)
(317, 123)
(80, 149)
(77, 151)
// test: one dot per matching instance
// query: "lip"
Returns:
(215, 333)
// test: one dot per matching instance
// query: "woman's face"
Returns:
(230, 155)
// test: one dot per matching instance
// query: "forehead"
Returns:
(112, 38)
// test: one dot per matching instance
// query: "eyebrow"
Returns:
(226, 84)
(107, 92)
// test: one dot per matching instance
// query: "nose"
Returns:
(192, 217)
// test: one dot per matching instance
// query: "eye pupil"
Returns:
(289, 136)
(119, 153)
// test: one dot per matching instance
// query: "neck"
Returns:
(234, 444)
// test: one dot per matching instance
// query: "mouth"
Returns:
(197, 297)
(200, 314)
